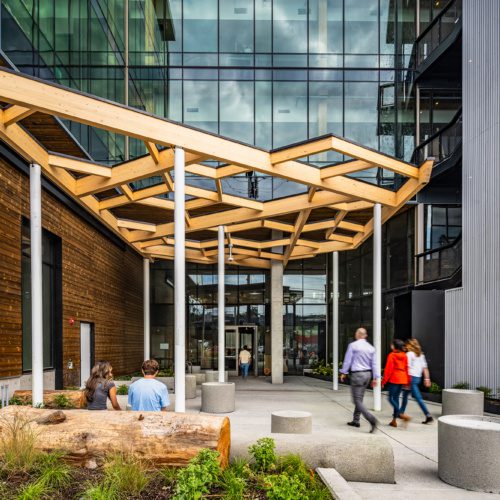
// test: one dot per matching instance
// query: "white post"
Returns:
(147, 330)
(180, 281)
(36, 285)
(335, 320)
(377, 299)
(221, 311)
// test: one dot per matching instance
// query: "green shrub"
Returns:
(241, 468)
(293, 465)
(100, 491)
(168, 372)
(122, 390)
(461, 385)
(169, 475)
(34, 491)
(486, 390)
(196, 479)
(285, 487)
(52, 471)
(435, 388)
(126, 473)
(62, 401)
(263, 454)
(17, 401)
(232, 484)
(17, 446)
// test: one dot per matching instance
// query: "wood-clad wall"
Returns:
(101, 283)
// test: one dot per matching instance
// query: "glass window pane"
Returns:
(236, 26)
(289, 112)
(237, 110)
(200, 26)
(361, 27)
(290, 26)
(200, 110)
(325, 26)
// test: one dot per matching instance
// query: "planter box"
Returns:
(432, 396)
(327, 378)
(168, 381)
(492, 406)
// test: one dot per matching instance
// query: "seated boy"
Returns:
(148, 394)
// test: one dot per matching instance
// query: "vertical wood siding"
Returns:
(101, 283)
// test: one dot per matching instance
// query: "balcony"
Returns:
(441, 267)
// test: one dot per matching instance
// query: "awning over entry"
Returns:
(333, 210)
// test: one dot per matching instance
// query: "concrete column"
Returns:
(377, 299)
(221, 310)
(180, 280)
(335, 319)
(36, 284)
(276, 317)
(147, 329)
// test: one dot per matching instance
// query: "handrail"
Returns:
(440, 249)
(434, 21)
(450, 124)
(437, 31)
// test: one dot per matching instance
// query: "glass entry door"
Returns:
(232, 350)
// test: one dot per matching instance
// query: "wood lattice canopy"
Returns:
(334, 213)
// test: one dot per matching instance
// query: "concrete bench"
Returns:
(462, 402)
(291, 422)
(217, 397)
(337, 485)
(213, 376)
(168, 381)
(190, 386)
(468, 452)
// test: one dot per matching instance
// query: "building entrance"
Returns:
(237, 337)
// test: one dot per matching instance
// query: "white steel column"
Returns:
(221, 310)
(335, 319)
(147, 330)
(180, 281)
(377, 299)
(36, 285)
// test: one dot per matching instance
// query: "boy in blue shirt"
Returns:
(148, 394)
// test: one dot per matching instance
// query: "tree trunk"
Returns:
(75, 399)
(86, 437)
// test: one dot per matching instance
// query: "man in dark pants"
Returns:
(360, 364)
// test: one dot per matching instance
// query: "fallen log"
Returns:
(86, 437)
(74, 399)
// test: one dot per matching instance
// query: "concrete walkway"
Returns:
(415, 448)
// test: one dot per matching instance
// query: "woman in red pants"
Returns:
(396, 378)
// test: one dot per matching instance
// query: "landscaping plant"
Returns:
(486, 390)
(61, 401)
(122, 390)
(461, 385)
(263, 455)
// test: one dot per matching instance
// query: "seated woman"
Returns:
(100, 386)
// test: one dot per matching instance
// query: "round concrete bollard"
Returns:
(213, 376)
(190, 386)
(217, 397)
(200, 378)
(468, 455)
(195, 369)
(291, 422)
(462, 402)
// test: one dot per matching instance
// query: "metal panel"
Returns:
(472, 331)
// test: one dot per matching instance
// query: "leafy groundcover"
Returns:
(26, 474)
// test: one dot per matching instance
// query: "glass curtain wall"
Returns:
(110, 48)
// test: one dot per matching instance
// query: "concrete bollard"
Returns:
(217, 397)
(200, 378)
(468, 452)
(190, 386)
(462, 402)
(213, 376)
(291, 422)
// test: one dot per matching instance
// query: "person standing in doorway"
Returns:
(396, 378)
(244, 361)
(417, 367)
(360, 364)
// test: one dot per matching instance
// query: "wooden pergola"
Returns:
(334, 213)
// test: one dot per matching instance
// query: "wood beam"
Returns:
(218, 187)
(153, 151)
(132, 224)
(344, 168)
(338, 219)
(311, 193)
(125, 189)
(270, 209)
(79, 165)
(300, 222)
(14, 114)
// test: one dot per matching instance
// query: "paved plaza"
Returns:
(415, 448)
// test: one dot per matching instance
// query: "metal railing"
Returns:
(439, 263)
(442, 144)
(440, 28)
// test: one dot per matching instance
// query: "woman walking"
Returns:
(396, 378)
(417, 368)
(100, 386)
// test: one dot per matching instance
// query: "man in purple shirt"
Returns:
(360, 364)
